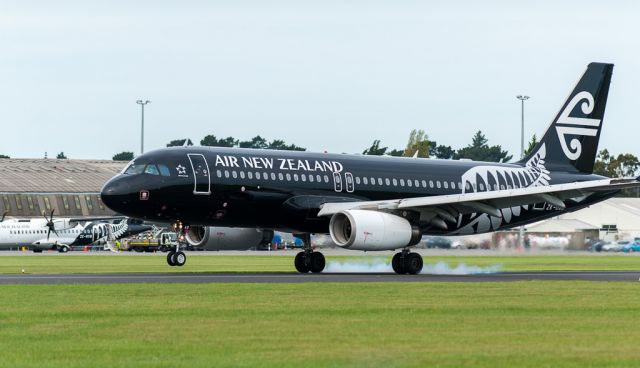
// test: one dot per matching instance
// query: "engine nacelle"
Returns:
(372, 230)
(227, 238)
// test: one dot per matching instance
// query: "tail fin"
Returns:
(571, 142)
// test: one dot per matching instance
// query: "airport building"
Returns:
(30, 187)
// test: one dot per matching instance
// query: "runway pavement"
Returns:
(194, 278)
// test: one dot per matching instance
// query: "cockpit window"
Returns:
(134, 169)
(151, 169)
(164, 170)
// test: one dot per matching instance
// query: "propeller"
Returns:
(50, 224)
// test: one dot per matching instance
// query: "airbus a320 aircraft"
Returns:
(374, 203)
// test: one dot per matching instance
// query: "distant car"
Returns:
(437, 242)
(615, 246)
(631, 247)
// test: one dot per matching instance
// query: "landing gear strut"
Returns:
(406, 263)
(308, 260)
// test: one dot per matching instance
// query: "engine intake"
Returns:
(372, 230)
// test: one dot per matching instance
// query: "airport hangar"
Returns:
(30, 187)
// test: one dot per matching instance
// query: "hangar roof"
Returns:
(56, 176)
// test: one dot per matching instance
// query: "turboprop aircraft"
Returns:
(372, 203)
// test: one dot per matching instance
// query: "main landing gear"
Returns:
(407, 263)
(308, 260)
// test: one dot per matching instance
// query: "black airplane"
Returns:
(374, 203)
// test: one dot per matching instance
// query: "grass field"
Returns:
(520, 324)
(221, 263)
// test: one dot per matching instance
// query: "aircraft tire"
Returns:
(413, 263)
(398, 264)
(170, 258)
(63, 249)
(300, 263)
(37, 251)
(316, 262)
(179, 259)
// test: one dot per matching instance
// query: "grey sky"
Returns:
(327, 75)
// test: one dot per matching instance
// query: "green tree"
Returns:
(4, 156)
(212, 141)
(61, 156)
(532, 145)
(255, 142)
(623, 165)
(396, 153)
(179, 142)
(479, 150)
(123, 156)
(418, 142)
(278, 144)
(441, 151)
(375, 149)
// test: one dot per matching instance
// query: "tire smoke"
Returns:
(383, 265)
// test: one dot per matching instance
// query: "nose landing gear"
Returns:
(407, 263)
(308, 260)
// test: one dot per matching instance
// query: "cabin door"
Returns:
(201, 178)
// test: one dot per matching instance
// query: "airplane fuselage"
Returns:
(284, 190)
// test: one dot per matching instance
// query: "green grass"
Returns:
(521, 324)
(265, 263)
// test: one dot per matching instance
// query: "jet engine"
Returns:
(372, 230)
(227, 238)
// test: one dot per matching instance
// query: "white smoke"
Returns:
(383, 265)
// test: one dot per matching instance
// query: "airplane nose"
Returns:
(115, 194)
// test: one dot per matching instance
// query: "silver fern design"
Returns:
(117, 231)
(485, 178)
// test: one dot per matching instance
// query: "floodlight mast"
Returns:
(142, 103)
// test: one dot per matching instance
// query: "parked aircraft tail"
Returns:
(571, 142)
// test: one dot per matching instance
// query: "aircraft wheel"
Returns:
(179, 259)
(316, 262)
(413, 263)
(398, 264)
(37, 251)
(63, 249)
(301, 263)
(170, 258)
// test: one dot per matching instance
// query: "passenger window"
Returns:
(152, 170)
(265, 176)
(318, 178)
(241, 174)
(295, 177)
(430, 183)
(135, 169)
(395, 182)
(416, 183)
(379, 181)
(219, 173)
(288, 177)
(234, 174)
(373, 181)
(409, 183)
(453, 185)
(402, 182)
(438, 184)
(226, 174)
(424, 183)
(365, 180)
(311, 178)
(446, 185)
(387, 181)
(164, 170)
(250, 175)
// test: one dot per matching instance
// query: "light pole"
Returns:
(522, 99)
(142, 103)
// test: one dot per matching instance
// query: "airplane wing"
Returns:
(447, 207)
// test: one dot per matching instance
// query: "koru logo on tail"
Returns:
(567, 125)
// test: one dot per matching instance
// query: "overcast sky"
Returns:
(326, 75)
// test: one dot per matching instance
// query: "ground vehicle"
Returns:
(162, 242)
(631, 247)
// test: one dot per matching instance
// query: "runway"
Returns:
(195, 278)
